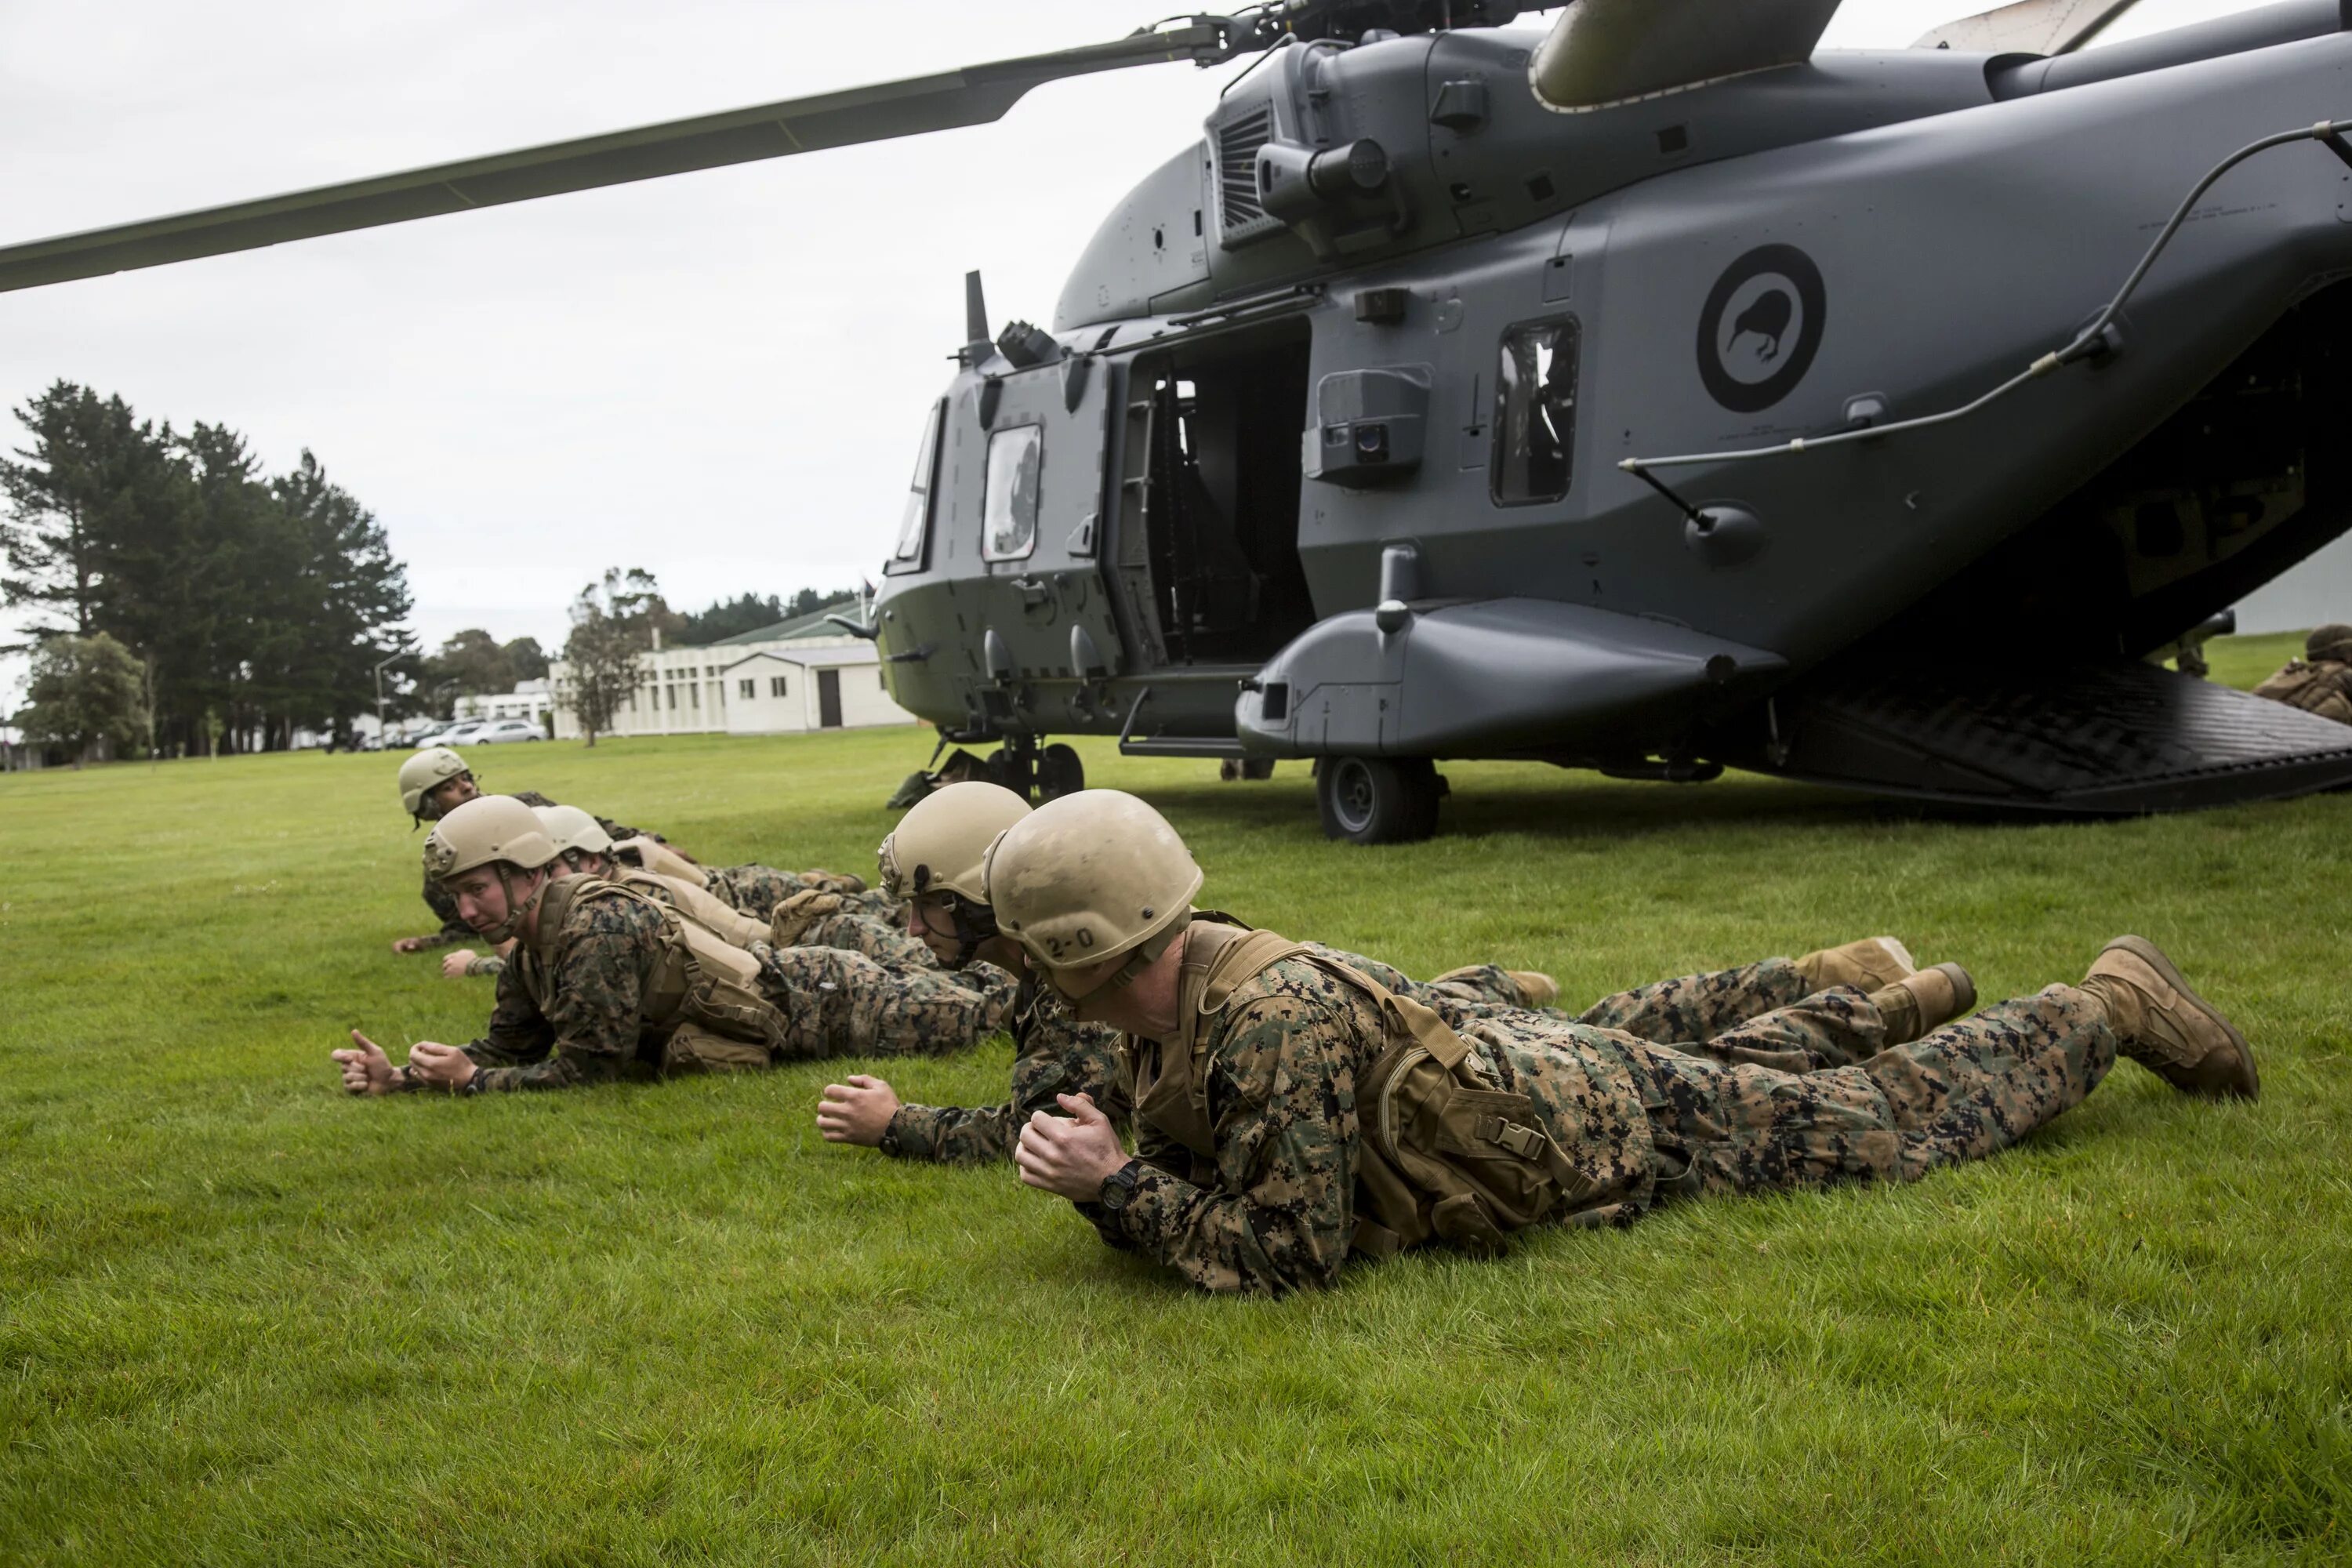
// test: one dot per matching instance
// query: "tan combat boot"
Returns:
(1923, 1000)
(1866, 966)
(2167, 1027)
(1537, 989)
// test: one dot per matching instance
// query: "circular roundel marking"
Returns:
(1760, 327)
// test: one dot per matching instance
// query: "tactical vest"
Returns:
(699, 907)
(652, 855)
(701, 1004)
(1442, 1156)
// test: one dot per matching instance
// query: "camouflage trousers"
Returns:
(757, 890)
(1724, 1123)
(836, 920)
(1759, 1015)
(840, 1003)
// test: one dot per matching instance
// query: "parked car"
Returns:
(461, 734)
(429, 736)
(500, 730)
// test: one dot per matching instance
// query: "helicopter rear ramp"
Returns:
(2112, 738)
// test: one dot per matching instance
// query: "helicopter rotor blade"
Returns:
(974, 95)
(1607, 52)
(2028, 27)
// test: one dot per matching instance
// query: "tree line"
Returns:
(246, 605)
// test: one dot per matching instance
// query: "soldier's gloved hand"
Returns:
(453, 964)
(1070, 1156)
(366, 1070)
(858, 1112)
(443, 1067)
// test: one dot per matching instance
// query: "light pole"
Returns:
(398, 653)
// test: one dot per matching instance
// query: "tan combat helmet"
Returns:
(937, 847)
(937, 850)
(491, 830)
(573, 829)
(2330, 644)
(1089, 877)
(424, 773)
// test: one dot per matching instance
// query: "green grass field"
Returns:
(244, 1319)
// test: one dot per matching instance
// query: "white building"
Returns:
(530, 699)
(797, 674)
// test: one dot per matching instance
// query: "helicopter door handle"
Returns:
(1033, 591)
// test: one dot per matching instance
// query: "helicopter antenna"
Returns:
(2101, 336)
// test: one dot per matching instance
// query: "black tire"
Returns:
(1059, 773)
(1378, 800)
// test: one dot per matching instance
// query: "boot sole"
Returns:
(2147, 952)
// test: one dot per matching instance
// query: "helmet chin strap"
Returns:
(973, 926)
(506, 929)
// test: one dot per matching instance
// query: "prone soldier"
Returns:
(2321, 680)
(932, 862)
(589, 850)
(609, 983)
(434, 783)
(1292, 1112)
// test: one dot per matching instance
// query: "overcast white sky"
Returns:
(719, 377)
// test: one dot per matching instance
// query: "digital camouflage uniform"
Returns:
(759, 890)
(444, 906)
(1054, 1054)
(1267, 1200)
(569, 1010)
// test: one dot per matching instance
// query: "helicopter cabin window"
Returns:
(1009, 518)
(1534, 412)
(914, 523)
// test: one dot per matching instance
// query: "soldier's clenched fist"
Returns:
(1070, 1156)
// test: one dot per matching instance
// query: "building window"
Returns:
(694, 694)
(746, 689)
(673, 696)
(1016, 460)
(776, 686)
(1534, 412)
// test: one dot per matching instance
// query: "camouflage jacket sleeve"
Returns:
(1054, 1054)
(444, 909)
(592, 1018)
(519, 1034)
(1274, 1209)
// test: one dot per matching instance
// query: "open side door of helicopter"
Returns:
(1204, 537)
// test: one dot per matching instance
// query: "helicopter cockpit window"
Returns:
(915, 522)
(1009, 522)
(1534, 412)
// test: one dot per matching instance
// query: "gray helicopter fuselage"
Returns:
(1282, 449)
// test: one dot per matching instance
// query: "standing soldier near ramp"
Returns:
(933, 861)
(608, 983)
(2321, 681)
(1292, 1112)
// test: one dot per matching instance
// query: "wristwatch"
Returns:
(1120, 1186)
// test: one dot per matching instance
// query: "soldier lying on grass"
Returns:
(1292, 1111)
(589, 850)
(933, 862)
(609, 983)
(437, 782)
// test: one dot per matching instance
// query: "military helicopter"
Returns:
(1658, 394)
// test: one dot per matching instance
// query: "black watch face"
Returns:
(1117, 1187)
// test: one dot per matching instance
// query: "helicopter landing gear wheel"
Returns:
(1014, 766)
(1379, 800)
(1059, 773)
